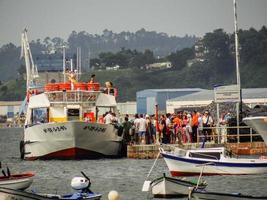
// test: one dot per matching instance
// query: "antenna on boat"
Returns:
(238, 82)
(64, 63)
(31, 69)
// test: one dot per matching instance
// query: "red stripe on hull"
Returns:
(68, 154)
(175, 173)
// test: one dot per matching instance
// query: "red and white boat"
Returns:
(217, 161)
(63, 120)
(17, 181)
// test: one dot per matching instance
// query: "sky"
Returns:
(58, 18)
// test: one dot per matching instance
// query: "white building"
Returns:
(128, 107)
(9, 108)
(250, 96)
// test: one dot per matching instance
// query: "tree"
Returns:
(179, 58)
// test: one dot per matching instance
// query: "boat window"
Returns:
(206, 155)
(73, 114)
(39, 115)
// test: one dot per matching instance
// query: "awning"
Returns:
(105, 100)
(39, 101)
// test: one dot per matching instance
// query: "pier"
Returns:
(150, 151)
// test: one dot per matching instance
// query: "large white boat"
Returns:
(259, 124)
(217, 161)
(63, 120)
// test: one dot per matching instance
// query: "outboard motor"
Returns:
(81, 183)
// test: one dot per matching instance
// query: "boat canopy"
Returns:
(39, 101)
(105, 100)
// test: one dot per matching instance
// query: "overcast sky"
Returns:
(174, 17)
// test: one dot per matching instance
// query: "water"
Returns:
(123, 175)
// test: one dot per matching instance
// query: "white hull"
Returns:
(218, 196)
(12, 182)
(259, 124)
(170, 187)
(187, 166)
(70, 140)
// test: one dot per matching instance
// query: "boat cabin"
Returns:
(209, 154)
(60, 103)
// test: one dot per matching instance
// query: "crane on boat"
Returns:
(31, 68)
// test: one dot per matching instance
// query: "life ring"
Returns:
(22, 149)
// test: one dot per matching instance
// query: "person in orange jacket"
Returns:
(194, 125)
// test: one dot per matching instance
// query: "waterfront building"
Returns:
(250, 96)
(147, 99)
(9, 108)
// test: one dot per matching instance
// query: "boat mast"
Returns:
(238, 82)
(31, 69)
(236, 47)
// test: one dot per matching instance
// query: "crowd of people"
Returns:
(181, 127)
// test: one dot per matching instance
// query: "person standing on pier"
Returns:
(127, 125)
(136, 128)
(194, 124)
(207, 123)
(142, 130)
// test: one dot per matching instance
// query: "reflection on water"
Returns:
(124, 175)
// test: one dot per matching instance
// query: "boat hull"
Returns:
(259, 124)
(9, 194)
(167, 187)
(183, 166)
(17, 181)
(202, 194)
(71, 140)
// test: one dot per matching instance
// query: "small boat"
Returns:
(17, 181)
(22, 195)
(203, 194)
(219, 162)
(80, 184)
(167, 187)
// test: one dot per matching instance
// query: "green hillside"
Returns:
(216, 67)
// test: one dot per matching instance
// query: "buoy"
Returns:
(113, 195)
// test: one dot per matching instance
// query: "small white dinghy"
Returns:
(167, 187)
(15, 181)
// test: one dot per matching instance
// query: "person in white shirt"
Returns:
(136, 128)
(108, 118)
(142, 129)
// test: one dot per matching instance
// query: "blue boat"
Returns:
(80, 184)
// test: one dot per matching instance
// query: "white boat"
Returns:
(167, 187)
(203, 194)
(217, 161)
(16, 181)
(259, 124)
(63, 119)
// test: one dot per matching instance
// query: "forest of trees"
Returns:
(217, 66)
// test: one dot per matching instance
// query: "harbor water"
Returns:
(123, 175)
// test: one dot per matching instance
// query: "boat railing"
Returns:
(226, 134)
(72, 96)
